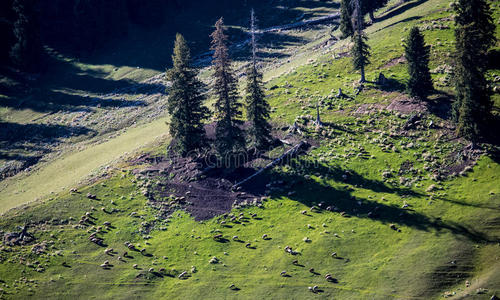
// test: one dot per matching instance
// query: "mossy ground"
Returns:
(448, 236)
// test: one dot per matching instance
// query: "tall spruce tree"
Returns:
(185, 101)
(257, 106)
(474, 36)
(26, 51)
(360, 51)
(346, 19)
(229, 136)
(417, 54)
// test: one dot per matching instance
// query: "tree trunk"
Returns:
(363, 79)
(372, 17)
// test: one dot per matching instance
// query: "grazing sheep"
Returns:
(119, 258)
(304, 212)
(334, 254)
(182, 275)
(264, 237)
(235, 238)
(295, 262)
(107, 223)
(193, 269)
(328, 277)
(131, 247)
(125, 254)
(311, 270)
(283, 273)
(254, 216)
(232, 287)
(315, 289)
(151, 270)
(108, 251)
(248, 245)
(161, 270)
(217, 237)
(135, 266)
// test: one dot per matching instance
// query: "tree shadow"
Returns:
(391, 85)
(340, 200)
(399, 10)
(27, 143)
(439, 104)
(401, 21)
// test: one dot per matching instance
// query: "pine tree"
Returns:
(360, 51)
(474, 36)
(345, 19)
(229, 136)
(26, 52)
(417, 54)
(257, 106)
(185, 102)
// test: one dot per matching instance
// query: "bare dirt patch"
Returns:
(407, 105)
(395, 61)
(198, 186)
(401, 104)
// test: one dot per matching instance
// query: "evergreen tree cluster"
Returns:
(474, 36)
(27, 49)
(185, 102)
(347, 7)
(78, 27)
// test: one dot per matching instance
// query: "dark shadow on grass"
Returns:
(467, 204)
(340, 200)
(401, 21)
(392, 85)
(25, 144)
(399, 10)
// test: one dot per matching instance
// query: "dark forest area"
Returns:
(78, 28)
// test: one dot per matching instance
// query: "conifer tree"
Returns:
(360, 51)
(257, 106)
(345, 19)
(417, 54)
(474, 36)
(27, 49)
(229, 136)
(185, 101)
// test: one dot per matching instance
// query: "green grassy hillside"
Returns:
(412, 216)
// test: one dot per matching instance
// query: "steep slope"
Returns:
(409, 210)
